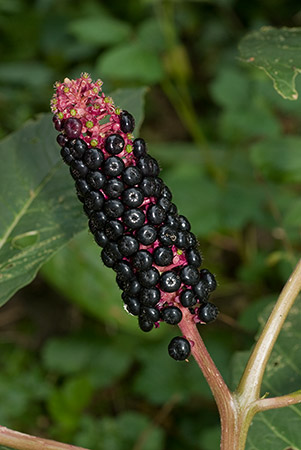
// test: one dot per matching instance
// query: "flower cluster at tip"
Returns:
(131, 214)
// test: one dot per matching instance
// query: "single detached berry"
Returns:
(179, 348)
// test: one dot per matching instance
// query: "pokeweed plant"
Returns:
(153, 252)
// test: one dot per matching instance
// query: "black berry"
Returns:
(124, 270)
(93, 158)
(94, 200)
(113, 229)
(188, 298)
(142, 260)
(96, 180)
(149, 278)
(139, 147)
(201, 291)
(114, 144)
(155, 214)
(132, 197)
(171, 315)
(78, 169)
(194, 257)
(149, 296)
(131, 175)
(132, 305)
(113, 166)
(113, 208)
(128, 245)
(167, 235)
(170, 281)
(127, 122)
(207, 312)
(179, 348)
(133, 218)
(163, 256)
(113, 188)
(209, 279)
(190, 275)
(78, 148)
(147, 234)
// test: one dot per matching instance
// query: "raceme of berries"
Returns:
(144, 240)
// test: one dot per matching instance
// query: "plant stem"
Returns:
(264, 404)
(21, 441)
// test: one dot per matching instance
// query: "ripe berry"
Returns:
(94, 200)
(209, 279)
(101, 238)
(58, 123)
(132, 304)
(96, 180)
(98, 219)
(124, 270)
(150, 313)
(179, 348)
(82, 186)
(166, 193)
(171, 315)
(139, 147)
(149, 278)
(148, 186)
(62, 140)
(128, 245)
(132, 197)
(145, 324)
(110, 254)
(201, 291)
(148, 166)
(184, 224)
(113, 166)
(170, 281)
(78, 169)
(155, 214)
(113, 229)
(194, 257)
(93, 158)
(190, 275)
(182, 240)
(132, 287)
(163, 256)
(72, 127)
(142, 260)
(113, 188)
(172, 220)
(147, 234)
(167, 235)
(173, 209)
(188, 298)
(127, 122)
(78, 146)
(164, 203)
(149, 296)
(207, 312)
(131, 175)
(114, 144)
(66, 155)
(113, 208)
(133, 218)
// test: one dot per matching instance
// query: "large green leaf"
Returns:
(278, 429)
(39, 212)
(38, 209)
(278, 53)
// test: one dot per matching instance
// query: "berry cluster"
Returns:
(131, 214)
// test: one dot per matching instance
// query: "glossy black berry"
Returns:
(207, 312)
(113, 166)
(142, 260)
(188, 298)
(149, 278)
(164, 203)
(113, 229)
(173, 209)
(133, 218)
(170, 281)
(166, 193)
(171, 315)
(132, 197)
(82, 186)
(110, 254)
(172, 221)
(94, 200)
(98, 220)
(148, 166)
(139, 147)
(147, 234)
(149, 296)
(62, 140)
(150, 313)
(113, 188)
(155, 214)
(66, 155)
(72, 127)
(132, 304)
(124, 270)
(93, 158)
(128, 245)
(101, 238)
(145, 324)
(78, 169)
(183, 223)
(132, 287)
(201, 291)
(78, 148)
(58, 123)
(163, 256)
(114, 144)
(182, 240)
(209, 279)
(167, 235)
(113, 208)
(127, 122)
(179, 348)
(131, 175)
(193, 257)
(190, 275)
(148, 186)
(96, 180)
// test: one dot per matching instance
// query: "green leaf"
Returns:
(278, 429)
(131, 62)
(38, 209)
(279, 159)
(102, 30)
(277, 52)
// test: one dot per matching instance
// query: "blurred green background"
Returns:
(74, 366)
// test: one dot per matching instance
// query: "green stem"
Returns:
(21, 441)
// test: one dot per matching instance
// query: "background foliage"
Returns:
(75, 367)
